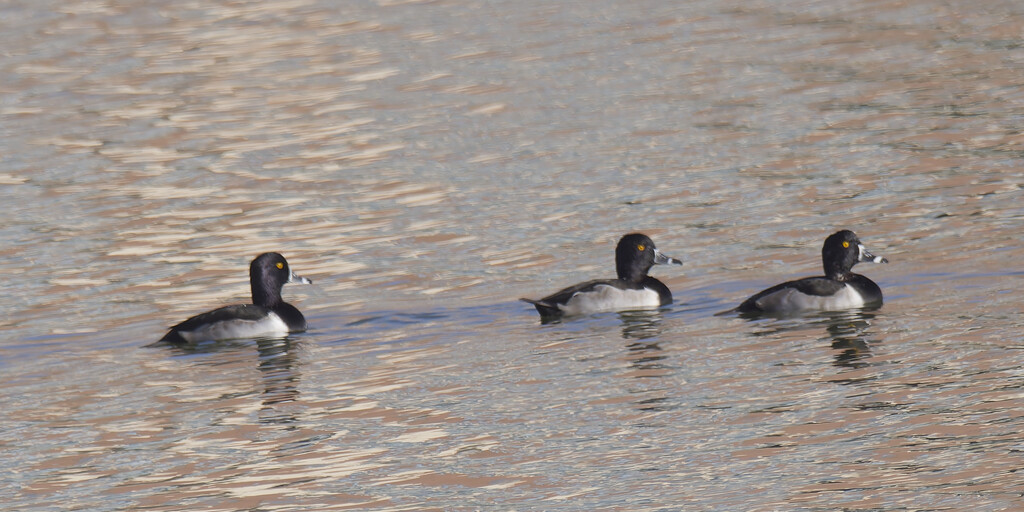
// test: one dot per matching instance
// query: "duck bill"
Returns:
(867, 256)
(661, 259)
(295, 278)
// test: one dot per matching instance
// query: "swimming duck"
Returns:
(268, 315)
(634, 256)
(838, 289)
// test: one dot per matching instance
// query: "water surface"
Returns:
(426, 164)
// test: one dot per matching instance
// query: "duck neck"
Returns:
(631, 275)
(628, 269)
(837, 274)
(263, 294)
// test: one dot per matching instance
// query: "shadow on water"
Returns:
(850, 332)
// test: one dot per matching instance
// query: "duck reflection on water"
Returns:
(850, 332)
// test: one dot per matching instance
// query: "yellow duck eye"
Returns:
(640, 247)
(281, 265)
(846, 245)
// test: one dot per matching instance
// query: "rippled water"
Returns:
(426, 164)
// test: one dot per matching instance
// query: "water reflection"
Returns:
(647, 359)
(641, 324)
(277, 361)
(278, 365)
(852, 338)
(642, 328)
(849, 331)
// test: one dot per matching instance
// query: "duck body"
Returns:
(635, 254)
(838, 289)
(603, 295)
(238, 321)
(815, 293)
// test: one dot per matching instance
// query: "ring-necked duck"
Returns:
(838, 289)
(634, 256)
(267, 316)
